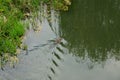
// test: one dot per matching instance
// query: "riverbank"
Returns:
(12, 29)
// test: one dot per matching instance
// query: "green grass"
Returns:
(10, 34)
(11, 28)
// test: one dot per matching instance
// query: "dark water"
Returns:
(89, 49)
(91, 28)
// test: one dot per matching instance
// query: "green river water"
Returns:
(89, 49)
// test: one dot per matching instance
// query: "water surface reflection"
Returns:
(89, 49)
(91, 29)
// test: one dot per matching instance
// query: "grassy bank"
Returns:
(11, 28)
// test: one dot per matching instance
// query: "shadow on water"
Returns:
(91, 27)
